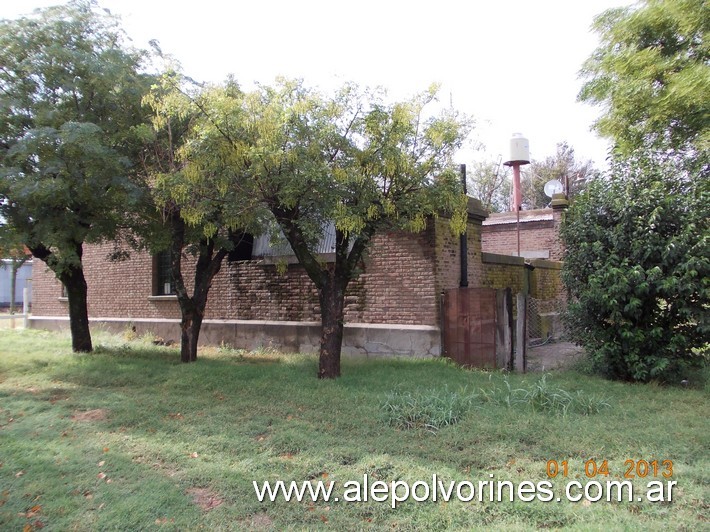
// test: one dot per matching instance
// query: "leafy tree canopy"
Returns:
(490, 182)
(70, 94)
(651, 75)
(70, 98)
(349, 158)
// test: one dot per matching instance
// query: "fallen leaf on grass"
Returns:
(33, 511)
(194, 455)
(101, 476)
(19, 474)
(101, 463)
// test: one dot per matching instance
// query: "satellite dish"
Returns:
(553, 187)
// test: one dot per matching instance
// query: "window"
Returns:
(163, 274)
(243, 245)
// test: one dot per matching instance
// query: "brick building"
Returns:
(539, 232)
(393, 307)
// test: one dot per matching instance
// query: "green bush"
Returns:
(638, 270)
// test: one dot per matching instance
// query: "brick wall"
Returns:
(546, 280)
(401, 282)
(397, 285)
(503, 271)
(535, 234)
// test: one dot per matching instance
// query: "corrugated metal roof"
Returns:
(268, 246)
(539, 215)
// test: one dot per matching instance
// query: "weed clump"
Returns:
(541, 396)
(430, 409)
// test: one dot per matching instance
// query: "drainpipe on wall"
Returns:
(463, 239)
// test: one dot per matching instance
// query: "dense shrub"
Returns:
(638, 269)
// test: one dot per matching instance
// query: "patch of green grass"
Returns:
(128, 438)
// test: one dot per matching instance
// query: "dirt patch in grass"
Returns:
(258, 522)
(553, 356)
(205, 498)
(98, 414)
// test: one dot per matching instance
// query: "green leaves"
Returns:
(71, 105)
(651, 73)
(637, 266)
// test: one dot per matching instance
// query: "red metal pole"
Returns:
(517, 193)
(517, 198)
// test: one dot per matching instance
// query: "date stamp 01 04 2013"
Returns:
(632, 468)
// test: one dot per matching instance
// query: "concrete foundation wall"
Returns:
(359, 339)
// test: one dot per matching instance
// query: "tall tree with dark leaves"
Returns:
(70, 96)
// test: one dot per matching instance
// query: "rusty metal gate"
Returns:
(477, 327)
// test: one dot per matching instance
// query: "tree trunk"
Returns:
(75, 284)
(72, 277)
(192, 308)
(332, 303)
(13, 285)
(190, 334)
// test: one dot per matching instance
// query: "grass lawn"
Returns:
(128, 438)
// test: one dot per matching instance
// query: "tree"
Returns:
(204, 210)
(637, 242)
(70, 96)
(651, 74)
(349, 159)
(490, 182)
(638, 269)
(562, 166)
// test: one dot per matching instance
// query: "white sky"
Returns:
(512, 64)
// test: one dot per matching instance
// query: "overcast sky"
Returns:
(512, 64)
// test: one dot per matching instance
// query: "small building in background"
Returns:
(539, 232)
(23, 280)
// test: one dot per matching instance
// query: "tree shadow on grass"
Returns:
(129, 366)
